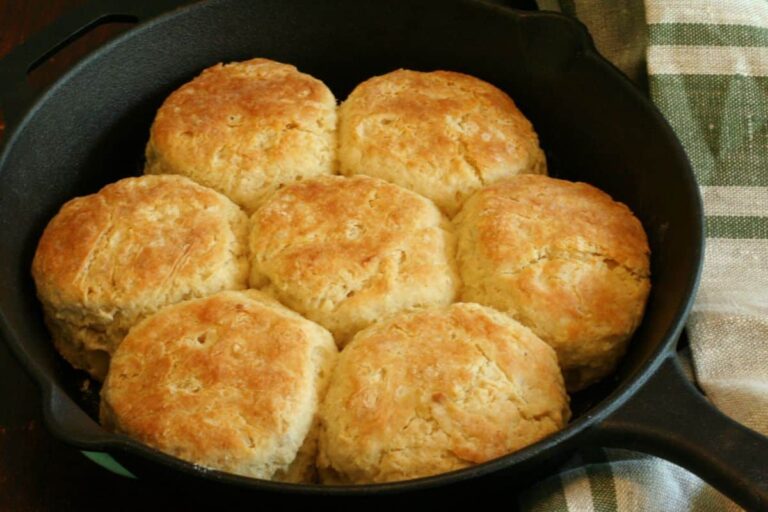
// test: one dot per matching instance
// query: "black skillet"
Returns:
(90, 127)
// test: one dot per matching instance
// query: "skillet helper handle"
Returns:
(669, 418)
(68, 422)
(16, 94)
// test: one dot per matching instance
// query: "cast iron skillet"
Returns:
(90, 128)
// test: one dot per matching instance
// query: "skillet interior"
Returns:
(91, 127)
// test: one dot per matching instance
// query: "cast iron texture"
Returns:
(90, 128)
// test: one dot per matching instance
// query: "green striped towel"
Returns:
(705, 63)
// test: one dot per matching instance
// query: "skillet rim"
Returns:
(52, 394)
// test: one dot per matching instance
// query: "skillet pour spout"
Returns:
(595, 126)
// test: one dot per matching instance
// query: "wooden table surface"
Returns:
(37, 472)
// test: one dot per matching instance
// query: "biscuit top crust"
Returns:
(345, 251)
(437, 390)
(229, 382)
(136, 245)
(442, 134)
(562, 258)
(244, 128)
(525, 218)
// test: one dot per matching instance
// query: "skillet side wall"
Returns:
(90, 128)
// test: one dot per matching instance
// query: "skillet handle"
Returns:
(68, 422)
(669, 418)
(16, 94)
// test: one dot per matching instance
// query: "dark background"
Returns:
(37, 472)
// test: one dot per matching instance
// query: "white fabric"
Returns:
(712, 12)
(747, 201)
(707, 60)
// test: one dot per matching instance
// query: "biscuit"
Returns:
(562, 258)
(345, 252)
(229, 382)
(245, 129)
(109, 259)
(441, 134)
(434, 391)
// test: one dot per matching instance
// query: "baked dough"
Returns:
(109, 259)
(434, 391)
(345, 252)
(229, 382)
(245, 129)
(441, 134)
(562, 258)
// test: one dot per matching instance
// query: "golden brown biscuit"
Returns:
(109, 259)
(437, 390)
(347, 251)
(441, 134)
(229, 382)
(562, 258)
(246, 128)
